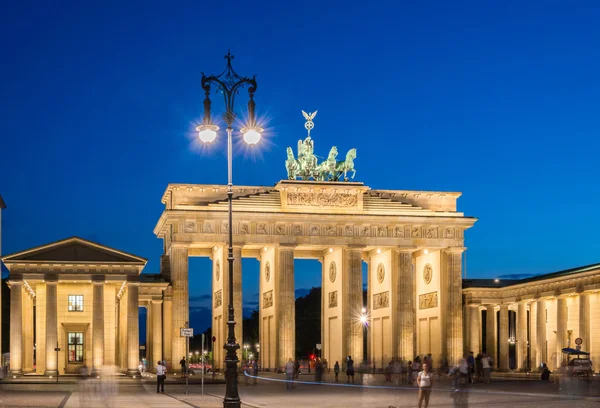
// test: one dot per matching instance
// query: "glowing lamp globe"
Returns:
(252, 136)
(207, 135)
(363, 319)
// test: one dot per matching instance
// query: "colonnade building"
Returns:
(86, 296)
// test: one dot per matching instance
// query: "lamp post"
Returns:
(229, 83)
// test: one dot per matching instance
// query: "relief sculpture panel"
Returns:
(381, 300)
(324, 199)
(218, 298)
(267, 299)
(428, 300)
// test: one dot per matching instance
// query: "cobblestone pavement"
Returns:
(271, 392)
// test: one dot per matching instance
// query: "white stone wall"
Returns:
(429, 320)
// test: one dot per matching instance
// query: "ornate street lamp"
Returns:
(229, 84)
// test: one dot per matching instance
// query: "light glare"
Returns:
(251, 137)
(207, 135)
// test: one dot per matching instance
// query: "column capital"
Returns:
(180, 245)
(291, 246)
(355, 247)
(406, 249)
(454, 250)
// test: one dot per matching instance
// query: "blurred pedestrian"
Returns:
(289, 374)
(349, 370)
(161, 375)
(425, 382)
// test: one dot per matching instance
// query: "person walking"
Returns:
(289, 374)
(349, 370)
(296, 369)
(255, 370)
(487, 368)
(409, 372)
(161, 374)
(425, 382)
(336, 370)
(183, 365)
(319, 370)
(471, 362)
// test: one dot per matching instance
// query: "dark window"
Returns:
(75, 303)
(75, 347)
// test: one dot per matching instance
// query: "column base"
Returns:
(133, 373)
(15, 373)
(52, 373)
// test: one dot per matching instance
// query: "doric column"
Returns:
(533, 357)
(157, 332)
(27, 329)
(454, 334)
(369, 305)
(541, 331)
(404, 299)
(490, 333)
(584, 320)
(98, 326)
(286, 307)
(561, 328)
(180, 313)
(474, 329)
(352, 343)
(167, 327)
(133, 332)
(522, 362)
(16, 332)
(149, 334)
(503, 338)
(51, 328)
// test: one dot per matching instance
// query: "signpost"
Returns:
(213, 358)
(319, 348)
(578, 342)
(187, 333)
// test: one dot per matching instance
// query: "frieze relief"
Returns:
(428, 300)
(324, 199)
(267, 299)
(190, 226)
(333, 299)
(381, 300)
(365, 231)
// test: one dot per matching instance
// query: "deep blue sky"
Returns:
(98, 103)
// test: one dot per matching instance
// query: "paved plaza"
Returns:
(271, 391)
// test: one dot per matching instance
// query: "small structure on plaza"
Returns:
(74, 303)
(307, 167)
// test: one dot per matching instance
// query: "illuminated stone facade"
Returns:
(524, 323)
(85, 298)
(342, 224)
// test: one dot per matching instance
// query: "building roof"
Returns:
(74, 250)
(2, 203)
(502, 283)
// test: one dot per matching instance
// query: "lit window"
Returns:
(75, 303)
(75, 347)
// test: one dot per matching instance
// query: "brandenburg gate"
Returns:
(412, 242)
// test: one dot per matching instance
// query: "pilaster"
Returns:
(237, 295)
(51, 328)
(27, 312)
(16, 328)
(533, 355)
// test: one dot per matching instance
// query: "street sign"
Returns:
(318, 346)
(578, 341)
(142, 347)
(56, 349)
(187, 332)
(214, 339)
